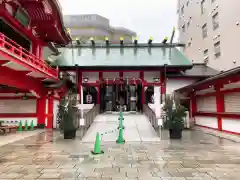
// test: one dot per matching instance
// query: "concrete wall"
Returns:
(228, 13)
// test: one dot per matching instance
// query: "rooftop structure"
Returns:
(86, 26)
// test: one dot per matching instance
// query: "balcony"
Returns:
(17, 58)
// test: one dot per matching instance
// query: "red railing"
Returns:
(27, 57)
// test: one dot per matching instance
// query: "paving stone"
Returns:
(197, 156)
(50, 175)
(31, 176)
(11, 176)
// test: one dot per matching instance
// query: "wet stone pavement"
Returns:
(197, 156)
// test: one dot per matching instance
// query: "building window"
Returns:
(204, 30)
(182, 10)
(205, 56)
(217, 50)
(203, 6)
(215, 21)
(183, 28)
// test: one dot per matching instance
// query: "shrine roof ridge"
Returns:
(139, 45)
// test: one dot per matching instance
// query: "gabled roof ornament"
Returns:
(92, 41)
(107, 41)
(121, 41)
(136, 40)
(150, 40)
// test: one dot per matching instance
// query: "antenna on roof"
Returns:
(173, 33)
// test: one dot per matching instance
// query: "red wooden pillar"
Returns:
(163, 86)
(193, 104)
(50, 112)
(143, 87)
(37, 49)
(41, 111)
(121, 75)
(100, 77)
(219, 105)
(79, 84)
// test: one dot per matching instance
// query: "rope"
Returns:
(107, 132)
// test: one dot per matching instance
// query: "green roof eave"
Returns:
(122, 57)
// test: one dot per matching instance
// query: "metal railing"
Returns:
(25, 57)
(151, 116)
(89, 118)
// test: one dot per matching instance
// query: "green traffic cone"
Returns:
(97, 146)
(121, 116)
(31, 126)
(20, 126)
(120, 139)
(26, 126)
(121, 124)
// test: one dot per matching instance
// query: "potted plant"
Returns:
(67, 117)
(69, 129)
(175, 113)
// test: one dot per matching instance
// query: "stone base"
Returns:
(70, 134)
(175, 133)
(41, 126)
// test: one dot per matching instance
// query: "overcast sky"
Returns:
(154, 18)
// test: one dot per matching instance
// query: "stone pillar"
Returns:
(157, 101)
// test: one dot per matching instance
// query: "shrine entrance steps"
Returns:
(137, 128)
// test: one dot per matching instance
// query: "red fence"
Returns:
(26, 58)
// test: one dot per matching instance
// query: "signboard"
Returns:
(89, 99)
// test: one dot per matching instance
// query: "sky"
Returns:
(154, 18)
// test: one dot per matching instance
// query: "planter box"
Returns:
(70, 134)
(175, 133)
(41, 126)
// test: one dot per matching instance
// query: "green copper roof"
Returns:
(125, 57)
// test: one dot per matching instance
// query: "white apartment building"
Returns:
(211, 31)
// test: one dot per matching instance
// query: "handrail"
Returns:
(27, 56)
(89, 118)
(151, 116)
(90, 115)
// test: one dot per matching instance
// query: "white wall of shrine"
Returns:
(173, 84)
(12, 111)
